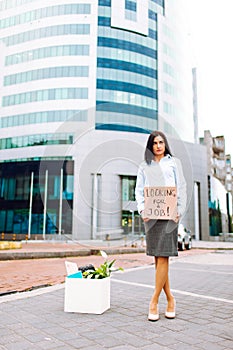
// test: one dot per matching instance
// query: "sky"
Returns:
(211, 29)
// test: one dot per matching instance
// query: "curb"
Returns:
(10, 254)
(66, 254)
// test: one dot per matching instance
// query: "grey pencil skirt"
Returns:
(161, 238)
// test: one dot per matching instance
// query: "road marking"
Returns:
(175, 291)
(130, 269)
(201, 270)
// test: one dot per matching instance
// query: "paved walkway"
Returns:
(55, 249)
(21, 273)
(202, 285)
(39, 264)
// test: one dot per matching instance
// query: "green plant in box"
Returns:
(104, 270)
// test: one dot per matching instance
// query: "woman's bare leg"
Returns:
(162, 268)
(161, 281)
(170, 297)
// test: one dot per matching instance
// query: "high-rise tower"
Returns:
(83, 82)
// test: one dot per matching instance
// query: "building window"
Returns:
(36, 140)
(131, 10)
(128, 188)
(159, 2)
(15, 190)
(6, 4)
(46, 73)
(127, 87)
(35, 15)
(122, 44)
(45, 52)
(131, 5)
(45, 95)
(64, 29)
(44, 117)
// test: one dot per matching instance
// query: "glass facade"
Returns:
(46, 69)
(220, 212)
(131, 220)
(36, 140)
(51, 31)
(45, 95)
(15, 193)
(128, 188)
(58, 10)
(7, 4)
(126, 72)
(46, 52)
(46, 73)
(43, 117)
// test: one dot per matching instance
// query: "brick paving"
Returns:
(25, 274)
(19, 275)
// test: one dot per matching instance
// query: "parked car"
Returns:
(184, 238)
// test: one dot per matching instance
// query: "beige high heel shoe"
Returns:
(153, 317)
(171, 314)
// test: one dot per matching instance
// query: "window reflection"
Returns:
(36, 140)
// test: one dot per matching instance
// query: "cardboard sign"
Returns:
(160, 203)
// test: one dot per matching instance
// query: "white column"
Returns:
(60, 203)
(196, 211)
(45, 202)
(30, 206)
(95, 205)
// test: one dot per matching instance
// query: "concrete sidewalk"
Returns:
(204, 318)
(56, 249)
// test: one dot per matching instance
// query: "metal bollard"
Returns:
(107, 238)
(125, 239)
(142, 240)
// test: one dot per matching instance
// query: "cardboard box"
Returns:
(85, 295)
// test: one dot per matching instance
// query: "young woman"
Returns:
(160, 168)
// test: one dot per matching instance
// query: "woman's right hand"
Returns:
(143, 217)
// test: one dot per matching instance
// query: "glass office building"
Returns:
(83, 83)
(127, 85)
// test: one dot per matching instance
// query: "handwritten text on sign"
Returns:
(160, 203)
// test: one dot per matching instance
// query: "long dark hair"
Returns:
(149, 155)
